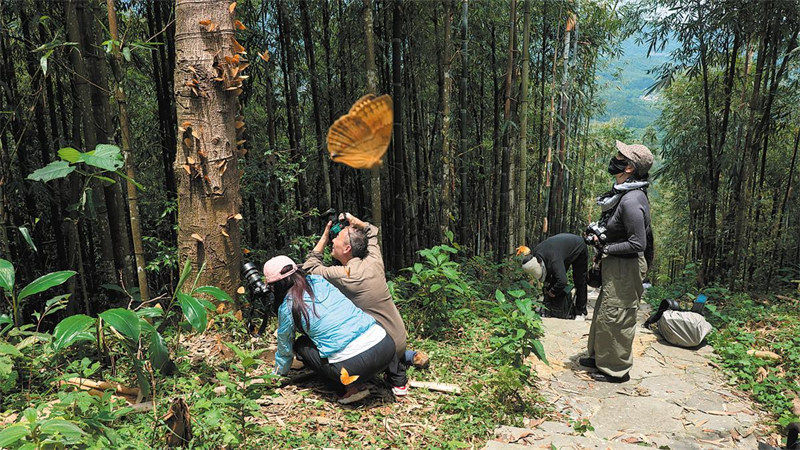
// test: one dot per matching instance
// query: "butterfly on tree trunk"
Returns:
(360, 138)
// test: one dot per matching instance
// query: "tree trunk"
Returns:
(372, 87)
(206, 157)
(465, 217)
(125, 127)
(312, 75)
(505, 184)
(522, 188)
(448, 173)
(398, 150)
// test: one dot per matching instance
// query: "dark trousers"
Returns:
(579, 278)
(366, 364)
(396, 372)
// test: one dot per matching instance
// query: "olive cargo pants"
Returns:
(614, 319)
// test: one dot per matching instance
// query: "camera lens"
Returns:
(253, 278)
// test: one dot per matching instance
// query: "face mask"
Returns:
(616, 166)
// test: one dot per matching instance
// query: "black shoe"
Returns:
(605, 378)
(587, 362)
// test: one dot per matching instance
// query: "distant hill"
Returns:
(625, 82)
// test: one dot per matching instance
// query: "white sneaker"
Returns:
(580, 317)
(400, 391)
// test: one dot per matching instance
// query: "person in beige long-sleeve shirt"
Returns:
(362, 279)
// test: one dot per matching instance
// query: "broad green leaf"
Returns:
(71, 330)
(517, 293)
(538, 350)
(159, 355)
(52, 171)
(215, 292)
(27, 236)
(126, 53)
(45, 282)
(194, 311)
(103, 162)
(435, 287)
(187, 270)
(12, 435)
(123, 320)
(417, 267)
(62, 427)
(107, 151)
(150, 312)
(70, 154)
(8, 349)
(499, 296)
(6, 275)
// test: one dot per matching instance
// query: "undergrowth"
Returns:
(478, 326)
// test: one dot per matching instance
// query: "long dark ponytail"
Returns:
(296, 286)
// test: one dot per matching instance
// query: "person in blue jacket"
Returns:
(339, 341)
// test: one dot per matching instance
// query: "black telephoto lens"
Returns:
(253, 278)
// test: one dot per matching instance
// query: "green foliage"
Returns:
(581, 426)
(434, 291)
(517, 329)
(41, 284)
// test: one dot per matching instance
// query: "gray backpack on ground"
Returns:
(678, 327)
(683, 328)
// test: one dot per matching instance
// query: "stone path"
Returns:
(674, 399)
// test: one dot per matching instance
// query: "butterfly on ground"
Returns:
(360, 137)
(346, 378)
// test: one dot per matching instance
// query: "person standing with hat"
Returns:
(339, 341)
(626, 251)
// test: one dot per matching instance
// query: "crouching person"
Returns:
(339, 341)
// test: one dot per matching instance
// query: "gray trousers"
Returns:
(614, 319)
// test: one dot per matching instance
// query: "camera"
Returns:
(259, 292)
(337, 224)
(595, 229)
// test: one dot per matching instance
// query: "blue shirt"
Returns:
(334, 322)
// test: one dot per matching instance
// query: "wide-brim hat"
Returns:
(638, 154)
(273, 268)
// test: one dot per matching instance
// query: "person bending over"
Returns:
(339, 341)
(549, 263)
(362, 278)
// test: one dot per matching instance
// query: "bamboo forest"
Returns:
(489, 224)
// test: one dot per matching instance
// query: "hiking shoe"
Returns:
(587, 362)
(580, 317)
(353, 396)
(400, 391)
(605, 378)
(420, 361)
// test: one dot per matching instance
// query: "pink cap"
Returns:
(273, 267)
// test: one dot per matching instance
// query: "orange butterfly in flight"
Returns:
(346, 378)
(360, 137)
